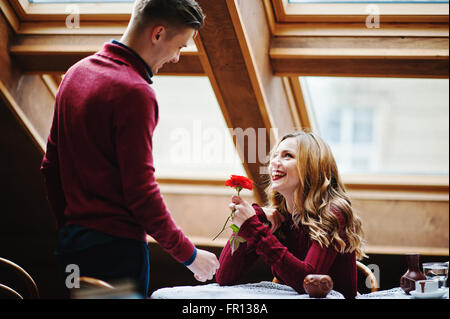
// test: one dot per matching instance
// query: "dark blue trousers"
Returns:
(104, 257)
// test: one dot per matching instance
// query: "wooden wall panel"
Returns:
(29, 92)
(36, 102)
(392, 226)
(9, 74)
(202, 216)
(405, 222)
(27, 227)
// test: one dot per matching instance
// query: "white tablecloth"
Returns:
(394, 293)
(262, 290)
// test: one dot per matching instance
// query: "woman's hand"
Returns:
(243, 210)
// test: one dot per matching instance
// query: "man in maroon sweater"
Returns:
(98, 168)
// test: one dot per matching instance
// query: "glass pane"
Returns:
(383, 125)
(368, 1)
(192, 139)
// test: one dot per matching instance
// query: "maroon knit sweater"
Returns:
(98, 167)
(291, 262)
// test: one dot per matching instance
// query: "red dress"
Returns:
(290, 262)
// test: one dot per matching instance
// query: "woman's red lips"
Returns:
(278, 175)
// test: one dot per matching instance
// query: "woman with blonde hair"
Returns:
(309, 226)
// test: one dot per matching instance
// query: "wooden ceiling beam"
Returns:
(253, 31)
(346, 56)
(56, 53)
(234, 46)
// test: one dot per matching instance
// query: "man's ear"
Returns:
(157, 33)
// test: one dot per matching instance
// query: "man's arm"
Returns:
(135, 121)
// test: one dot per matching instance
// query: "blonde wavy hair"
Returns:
(319, 191)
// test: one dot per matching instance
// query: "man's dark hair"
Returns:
(175, 13)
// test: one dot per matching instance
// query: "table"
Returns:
(394, 293)
(263, 290)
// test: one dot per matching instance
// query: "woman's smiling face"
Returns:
(283, 167)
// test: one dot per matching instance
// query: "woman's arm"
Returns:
(292, 271)
(288, 268)
(234, 267)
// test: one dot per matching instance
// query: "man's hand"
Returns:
(204, 266)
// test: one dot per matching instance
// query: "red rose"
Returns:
(239, 181)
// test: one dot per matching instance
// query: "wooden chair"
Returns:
(366, 271)
(17, 275)
(93, 288)
(8, 293)
(89, 282)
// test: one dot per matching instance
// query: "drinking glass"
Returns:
(436, 271)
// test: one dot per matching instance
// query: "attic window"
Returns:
(383, 125)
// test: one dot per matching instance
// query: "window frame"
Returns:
(357, 12)
(371, 185)
(117, 11)
(31, 15)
